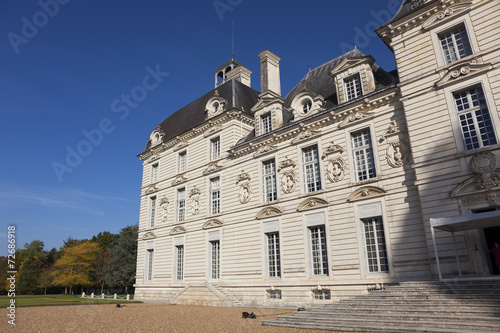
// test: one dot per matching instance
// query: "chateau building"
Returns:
(356, 178)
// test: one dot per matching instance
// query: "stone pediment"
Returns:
(269, 212)
(211, 168)
(462, 70)
(243, 176)
(392, 130)
(286, 163)
(305, 134)
(350, 62)
(156, 136)
(312, 203)
(265, 150)
(178, 230)
(212, 223)
(332, 149)
(213, 129)
(366, 192)
(149, 235)
(194, 191)
(151, 189)
(443, 15)
(266, 99)
(179, 180)
(355, 117)
(180, 145)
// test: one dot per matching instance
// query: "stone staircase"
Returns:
(451, 307)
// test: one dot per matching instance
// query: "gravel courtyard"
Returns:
(137, 317)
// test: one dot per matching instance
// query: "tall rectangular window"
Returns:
(273, 255)
(215, 259)
(455, 44)
(181, 204)
(214, 148)
(149, 265)
(179, 262)
(215, 195)
(269, 180)
(154, 173)
(312, 177)
(319, 252)
(376, 253)
(182, 161)
(475, 121)
(353, 87)
(362, 151)
(152, 211)
(266, 124)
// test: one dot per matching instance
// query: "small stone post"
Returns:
(83, 293)
(128, 297)
(115, 296)
(92, 295)
(102, 296)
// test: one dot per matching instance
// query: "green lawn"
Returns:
(40, 300)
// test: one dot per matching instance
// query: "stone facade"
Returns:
(252, 198)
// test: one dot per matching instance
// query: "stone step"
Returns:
(493, 311)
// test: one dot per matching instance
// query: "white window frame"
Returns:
(214, 259)
(149, 261)
(179, 262)
(374, 222)
(346, 82)
(273, 254)
(215, 148)
(182, 161)
(455, 47)
(452, 109)
(269, 194)
(436, 41)
(316, 171)
(266, 122)
(152, 212)
(154, 172)
(373, 152)
(322, 259)
(214, 193)
(181, 204)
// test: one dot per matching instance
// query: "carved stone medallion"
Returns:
(335, 170)
(194, 194)
(397, 154)
(288, 181)
(245, 194)
(483, 162)
(164, 208)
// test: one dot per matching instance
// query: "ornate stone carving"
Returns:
(211, 168)
(416, 3)
(365, 193)
(286, 163)
(212, 223)
(304, 135)
(392, 130)
(245, 193)
(483, 163)
(288, 181)
(397, 154)
(194, 194)
(243, 176)
(180, 145)
(355, 117)
(332, 149)
(462, 69)
(156, 136)
(164, 207)
(312, 203)
(177, 230)
(149, 235)
(179, 179)
(151, 188)
(439, 16)
(269, 212)
(212, 130)
(265, 150)
(335, 170)
(153, 158)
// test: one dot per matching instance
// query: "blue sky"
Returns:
(69, 165)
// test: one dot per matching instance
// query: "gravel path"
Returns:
(140, 317)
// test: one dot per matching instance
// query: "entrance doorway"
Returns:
(492, 236)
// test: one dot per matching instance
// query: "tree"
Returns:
(28, 275)
(45, 279)
(76, 265)
(122, 266)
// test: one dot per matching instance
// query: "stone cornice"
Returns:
(202, 129)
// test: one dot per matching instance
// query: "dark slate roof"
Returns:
(236, 94)
(319, 82)
(408, 6)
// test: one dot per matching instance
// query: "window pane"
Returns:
(353, 87)
(273, 252)
(318, 250)
(269, 180)
(363, 155)
(180, 262)
(214, 196)
(266, 123)
(215, 148)
(312, 177)
(152, 211)
(455, 44)
(215, 255)
(181, 204)
(376, 252)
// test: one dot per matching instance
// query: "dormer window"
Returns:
(306, 106)
(266, 125)
(353, 88)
